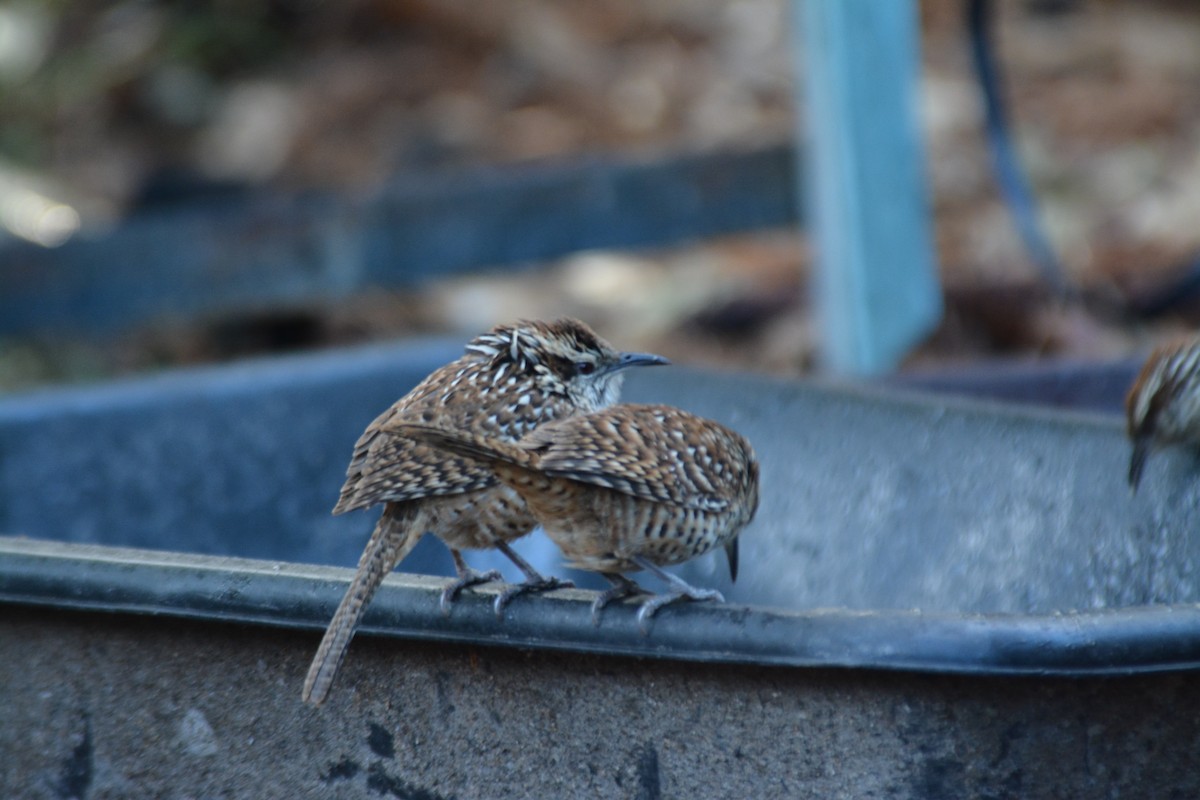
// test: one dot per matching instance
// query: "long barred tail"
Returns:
(394, 537)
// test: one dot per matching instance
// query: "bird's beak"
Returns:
(731, 553)
(1137, 461)
(639, 360)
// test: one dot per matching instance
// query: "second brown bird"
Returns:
(626, 488)
(1163, 405)
(509, 381)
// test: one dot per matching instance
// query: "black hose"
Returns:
(1019, 197)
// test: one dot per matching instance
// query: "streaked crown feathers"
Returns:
(527, 343)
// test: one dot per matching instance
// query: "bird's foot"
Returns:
(622, 587)
(679, 590)
(651, 605)
(466, 577)
(541, 584)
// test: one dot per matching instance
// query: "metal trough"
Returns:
(940, 598)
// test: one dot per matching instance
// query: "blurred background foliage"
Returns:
(114, 108)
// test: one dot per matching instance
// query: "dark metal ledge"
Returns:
(1127, 641)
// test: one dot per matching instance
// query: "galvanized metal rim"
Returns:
(1099, 642)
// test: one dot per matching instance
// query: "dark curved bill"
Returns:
(640, 360)
(1137, 461)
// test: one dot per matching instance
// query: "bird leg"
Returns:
(621, 587)
(534, 580)
(680, 590)
(466, 577)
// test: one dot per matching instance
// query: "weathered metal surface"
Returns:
(903, 533)
(1105, 642)
(243, 460)
(120, 706)
(870, 499)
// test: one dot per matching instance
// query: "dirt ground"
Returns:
(118, 106)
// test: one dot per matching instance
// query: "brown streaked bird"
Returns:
(508, 382)
(1163, 405)
(625, 488)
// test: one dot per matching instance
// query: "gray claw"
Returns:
(651, 606)
(621, 587)
(466, 578)
(512, 592)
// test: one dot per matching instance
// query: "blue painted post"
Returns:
(877, 290)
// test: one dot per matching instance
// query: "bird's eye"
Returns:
(585, 367)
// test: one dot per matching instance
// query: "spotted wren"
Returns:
(508, 382)
(624, 488)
